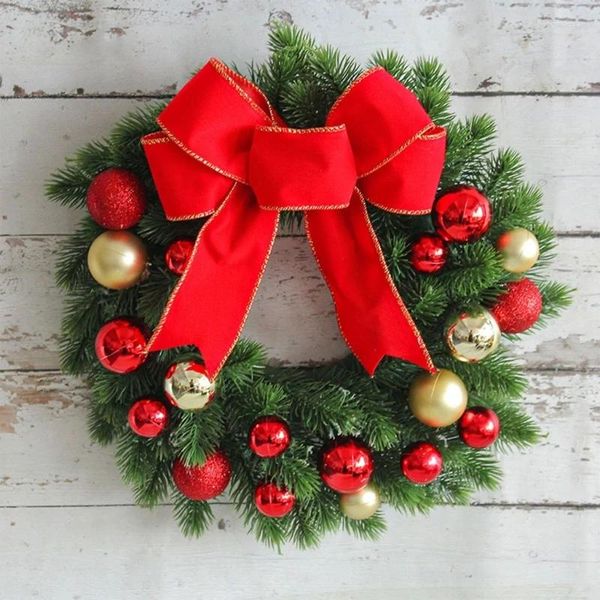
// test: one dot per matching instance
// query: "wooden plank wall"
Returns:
(68, 529)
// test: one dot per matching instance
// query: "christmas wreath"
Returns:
(430, 242)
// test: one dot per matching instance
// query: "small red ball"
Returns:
(269, 437)
(346, 466)
(462, 215)
(517, 309)
(116, 199)
(120, 346)
(428, 254)
(479, 427)
(178, 254)
(148, 417)
(274, 501)
(205, 481)
(421, 463)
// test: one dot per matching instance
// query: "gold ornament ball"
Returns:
(519, 248)
(117, 259)
(188, 386)
(437, 399)
(472, 335)
(362, 504)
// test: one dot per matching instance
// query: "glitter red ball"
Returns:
(116, 199)
(517, 309)
(178, 254)
(479, 427)
(274, 501)
(148, 417)
(428, 254)
(269, 437)
(205, 481)
(462, 215)
(346, 466)
(120, 345)
(421, 463)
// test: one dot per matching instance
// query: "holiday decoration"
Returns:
(178, 254)
(462, 215)
(362, 504)
(519, 248)
(479, 427)
(519, 307)
(269, 437)
(273, 501)
(188, 386)
(148, 417)
(472, 335)
(428, 254)
(346, 466)
(356, 153)
(116, 199)
(205, 481)
(117, 259)
(120, 346)
(421, 463)
(437, 399)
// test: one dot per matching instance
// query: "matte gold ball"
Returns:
(519, 248)
(362, 504)
(437, 399)
(472, 335)
(117, 259)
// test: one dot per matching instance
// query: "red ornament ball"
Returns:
(178, 254)
(203, 482)
(421, 463)
(462, 215)
(120, 346)
(519, 307)
(346, 466)
(274, 501)
(116, 199)
(479, 427)
(428, 254)
(269, 437)
(148, 417)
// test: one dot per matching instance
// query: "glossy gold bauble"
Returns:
(472, 335)
(519, 248)
(117, 259)
(437, 399)
(362, 504)
(188, 386)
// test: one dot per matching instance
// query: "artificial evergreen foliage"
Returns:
(303, 80)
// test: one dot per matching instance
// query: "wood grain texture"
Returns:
(150, 47)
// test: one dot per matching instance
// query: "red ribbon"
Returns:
(223, 151)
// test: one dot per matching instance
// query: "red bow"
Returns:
(223, 151)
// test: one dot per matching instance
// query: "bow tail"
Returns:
(371, 315)
(213, 296)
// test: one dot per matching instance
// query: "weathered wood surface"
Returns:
(139, 47)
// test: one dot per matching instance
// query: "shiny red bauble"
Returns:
(346, 465)
(479, 427)
(519, 307)
(148, 417)
(120, 345)
(205, 481)
(177, 255)
(116, 199)
(273, 501)
(462, 215)
(421, 463)
(428, 254)
(269, 437)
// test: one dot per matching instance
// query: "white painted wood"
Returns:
(150, 47)
(48, 459)
(123, 553)
(292, 292)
